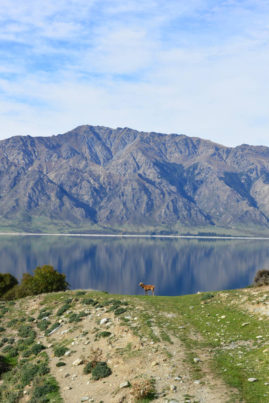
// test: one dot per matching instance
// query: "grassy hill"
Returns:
(195, 348)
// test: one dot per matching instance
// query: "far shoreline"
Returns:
(147, 236)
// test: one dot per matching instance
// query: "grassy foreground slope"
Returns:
(90, 346)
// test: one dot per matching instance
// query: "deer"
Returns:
(147, 288)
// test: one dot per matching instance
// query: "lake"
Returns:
(175, 266)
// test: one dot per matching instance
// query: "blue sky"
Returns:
(197, 67)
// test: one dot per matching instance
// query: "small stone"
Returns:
(154, 363)
(67, 353)
(67, 388)
(173, 388)
(223, 317)
(245, 324)
(67, 375)
(87, 342)
(197, 382)
(266, 383)
(196, 360)
(104, 321)
(258, 337)
(178, 378)
(172, 401)
(84, 399)
(252, 379)
(125, 384)
(77, 362)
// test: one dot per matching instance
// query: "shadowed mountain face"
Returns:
(97, 176)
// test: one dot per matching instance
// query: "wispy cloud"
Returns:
(198, 67)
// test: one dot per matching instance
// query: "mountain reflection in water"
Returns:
(175, 266)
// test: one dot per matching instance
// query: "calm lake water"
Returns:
(175, 266)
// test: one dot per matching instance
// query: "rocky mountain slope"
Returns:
(96, 177)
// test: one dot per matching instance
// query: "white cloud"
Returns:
(197, 67)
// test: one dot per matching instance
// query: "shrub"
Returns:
(63, 309)
(101, 370)
(2, 329)
(104, 334)
(4, 366)
(89, 367)
(37, 348)
(26, 331)
(43, 324)
(119, 311)
(261, 278)
(89, 301)
(60, 351)
(206, 296)
(60, 364)
(43, 313)
(7, 282)
(144, 389)
(43, 388)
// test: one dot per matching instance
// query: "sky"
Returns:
(197, 67)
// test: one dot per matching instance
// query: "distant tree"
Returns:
(47, 279)
(7, 281)
(261, 278)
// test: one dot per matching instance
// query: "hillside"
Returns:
(97, 178)
(208, 347)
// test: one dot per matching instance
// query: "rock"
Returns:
(67, 353)
(84, 399)
(178, 378)
(258, 337)
(197, 382)
(245, 324)
(77, 362)
(223, 317)
(196, 360)
(54, 330)
(173, 388)
(104, 321)
(67, 388)
(67, 375)
(125, 384)
(154, 363)
(252, 379)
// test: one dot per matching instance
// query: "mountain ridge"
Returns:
(98, 177)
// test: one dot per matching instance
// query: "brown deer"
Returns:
(147, 288)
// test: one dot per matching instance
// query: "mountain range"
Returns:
(98, 178)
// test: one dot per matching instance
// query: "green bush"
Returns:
(60, 364)
(37, 348)
(89, 367)
(104, 334)
(42, 388)
(60, 351)
(4, 366)
(63, 309)
(2, 329)
(101, 370)
(119, 311)
(26, 331)
(7, 282)
(43, 324)
(43, 314)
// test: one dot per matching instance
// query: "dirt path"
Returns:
(133, 361)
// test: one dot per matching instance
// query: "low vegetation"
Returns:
(45, 279)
